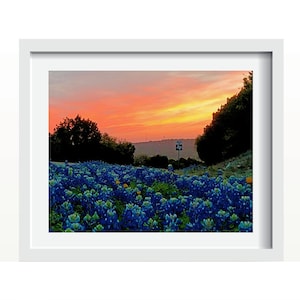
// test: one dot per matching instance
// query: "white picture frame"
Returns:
(38, 57)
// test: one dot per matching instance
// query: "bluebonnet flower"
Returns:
(208, 224)
(151, 225)
(147, 207)
(119, 197)
(91, 221)
(133, 218)
(245, 226)
(77, 227)
(98, 228)
(171, 222)
(233, 222)
(74, 218)
(170, 168)
(66, 208)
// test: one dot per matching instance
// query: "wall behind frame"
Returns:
(9, 111)
(129, 19)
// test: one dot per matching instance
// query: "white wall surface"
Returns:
(146, 19)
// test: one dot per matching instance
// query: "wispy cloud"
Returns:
(141, 105)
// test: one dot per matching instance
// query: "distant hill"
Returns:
(167, 148)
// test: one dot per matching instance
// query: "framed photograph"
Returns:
(151, 150)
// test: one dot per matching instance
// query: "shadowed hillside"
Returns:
(239, 166)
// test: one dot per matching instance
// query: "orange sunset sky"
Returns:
(139, 106)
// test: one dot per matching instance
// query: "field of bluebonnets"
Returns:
(120, 195)
(98, 197)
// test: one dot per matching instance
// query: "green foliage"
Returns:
(168, 190)
(98, 228)
(55, 221)
(230, 132)
(79, 209)
(120, 207)
(184, 218)
(159, 221)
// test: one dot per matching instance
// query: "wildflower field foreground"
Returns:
(97, 197)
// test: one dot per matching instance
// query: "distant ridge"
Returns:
(167, 148)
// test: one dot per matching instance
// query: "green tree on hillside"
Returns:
(230, 132)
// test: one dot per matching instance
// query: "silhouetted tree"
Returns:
(79, 139)
(230, 132)
(114, 151)
(125, 152)
(141, 160)
(75, 140)
(158, 161)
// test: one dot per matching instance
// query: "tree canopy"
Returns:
(230, 132)
(79, 139)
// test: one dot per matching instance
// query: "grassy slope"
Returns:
(238, 166)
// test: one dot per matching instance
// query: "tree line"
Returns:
(162, 161)
(230, 131)
(79, 139)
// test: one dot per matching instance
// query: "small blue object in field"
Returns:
(170, 168)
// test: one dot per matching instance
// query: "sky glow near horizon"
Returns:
(139, 106)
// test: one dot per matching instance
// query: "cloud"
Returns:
(128, 103)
